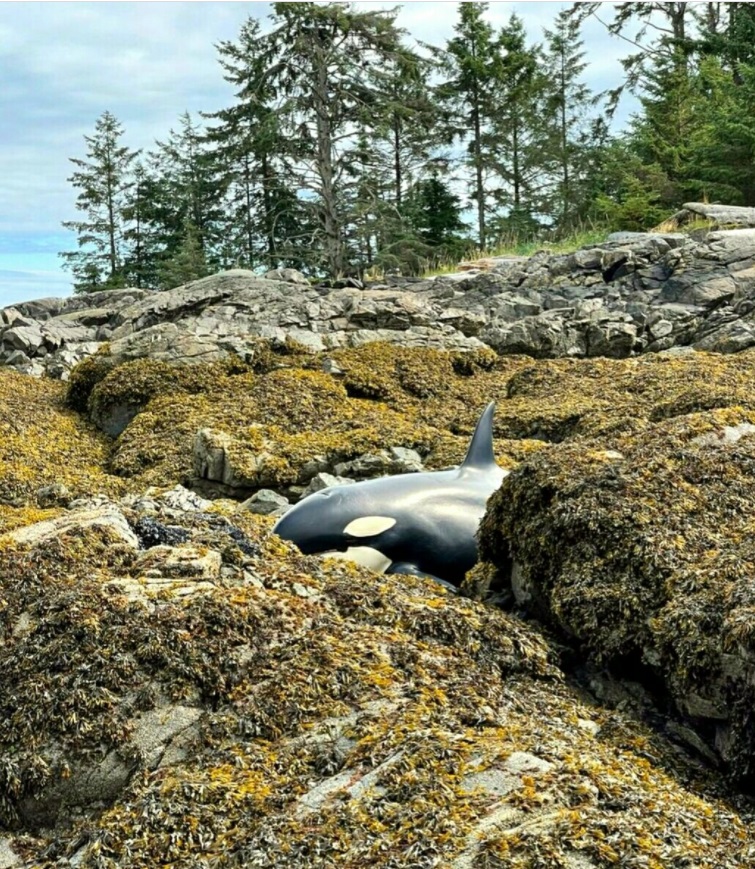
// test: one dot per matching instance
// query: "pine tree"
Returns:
(435, 213)
(664, 72)
(626, 193)
(568, 109)
(398, 142)
(469, 63)
(673, 112)
(738, 47)
(141, 236)
(264, 218)
(666, 35)
(103, 180)
(411, 118)
(321, 62)
(187, 263)
(722, 147)
(189, 188)
(517, 134)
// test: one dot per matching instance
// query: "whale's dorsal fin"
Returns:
(480, 452)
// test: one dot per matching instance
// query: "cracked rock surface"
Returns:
(633, 293)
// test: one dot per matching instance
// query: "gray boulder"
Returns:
(265, 502)
(324, 481)
(290, 276)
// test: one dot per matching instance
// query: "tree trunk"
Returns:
(267, 205)
(566, 193)
(111, 224)
(248, 214)
(515, 162)
(477, 151)
(328, 207)
(397, 158)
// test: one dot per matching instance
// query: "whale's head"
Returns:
(337, 519)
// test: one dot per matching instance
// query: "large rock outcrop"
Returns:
(633, 293)
(634, 542)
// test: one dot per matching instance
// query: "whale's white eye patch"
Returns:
(369, 526)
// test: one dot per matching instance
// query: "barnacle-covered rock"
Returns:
(642, 555)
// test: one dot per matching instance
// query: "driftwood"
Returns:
(720, 216)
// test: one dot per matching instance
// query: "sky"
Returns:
(65, 63)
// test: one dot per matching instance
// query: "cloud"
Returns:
(69, 62)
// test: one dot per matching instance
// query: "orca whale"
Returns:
(422, 523)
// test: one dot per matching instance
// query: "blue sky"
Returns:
(65, 63)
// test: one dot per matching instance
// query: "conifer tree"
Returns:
(665, 34)
(263, 218)
(435, 213)
(569, 103)
(187, 263)
(103, 181)
(411, 118)
(722, 147)
(517, 136)
(189, 189)
(321, 62)
(468, 91)
(141, 236)
(663, 71)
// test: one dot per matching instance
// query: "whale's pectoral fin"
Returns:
(412, 570)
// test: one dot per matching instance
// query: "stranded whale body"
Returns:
(422, 524)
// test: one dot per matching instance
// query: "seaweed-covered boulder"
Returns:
(639, 550)
(44, 445)
(304, 712)
(184, 688)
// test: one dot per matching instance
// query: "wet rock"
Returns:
(243, 701)
(213, 453)
(324, 481)
(105, 519)
(395, 460)
(179, 562)
(54, 495)
(642, 561)
(183, 500)
(152, 532)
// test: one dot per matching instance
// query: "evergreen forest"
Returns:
(351, 149)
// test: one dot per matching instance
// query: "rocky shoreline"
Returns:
(632, 294)
(182, 687)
